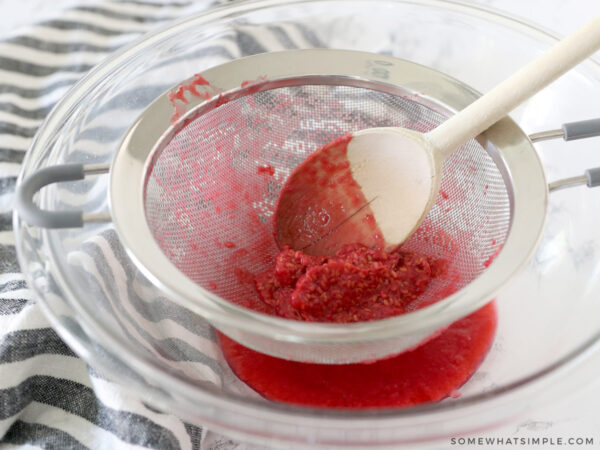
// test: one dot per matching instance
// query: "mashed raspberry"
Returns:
(357, 284)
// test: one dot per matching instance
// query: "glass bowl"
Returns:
(116, 319)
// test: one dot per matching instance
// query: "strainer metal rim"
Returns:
(505, 141)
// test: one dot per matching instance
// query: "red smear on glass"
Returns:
(253, 84)
(491, 259)
(221, 100)
(177, 97)
(178, 94)
(270, 170)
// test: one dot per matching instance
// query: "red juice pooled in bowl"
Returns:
(428, 373)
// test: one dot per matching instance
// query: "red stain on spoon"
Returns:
(321, 221)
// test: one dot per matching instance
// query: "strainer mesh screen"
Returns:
(212, 192)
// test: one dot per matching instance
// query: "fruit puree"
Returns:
(357, 284)
(428, 373)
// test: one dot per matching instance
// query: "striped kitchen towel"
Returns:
(50, 398)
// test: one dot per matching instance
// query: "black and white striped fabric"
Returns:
(49, 398)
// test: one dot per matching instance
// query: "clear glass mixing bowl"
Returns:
(113, 316)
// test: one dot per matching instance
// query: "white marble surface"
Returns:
(577, 416)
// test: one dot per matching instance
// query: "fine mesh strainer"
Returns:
(194, 185)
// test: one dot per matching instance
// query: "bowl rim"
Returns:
(184, 387)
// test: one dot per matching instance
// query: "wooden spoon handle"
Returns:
(513, 91)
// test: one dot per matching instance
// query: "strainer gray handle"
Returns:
(593, 177)
(570, 131)
(581, 130)
(33, 215)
